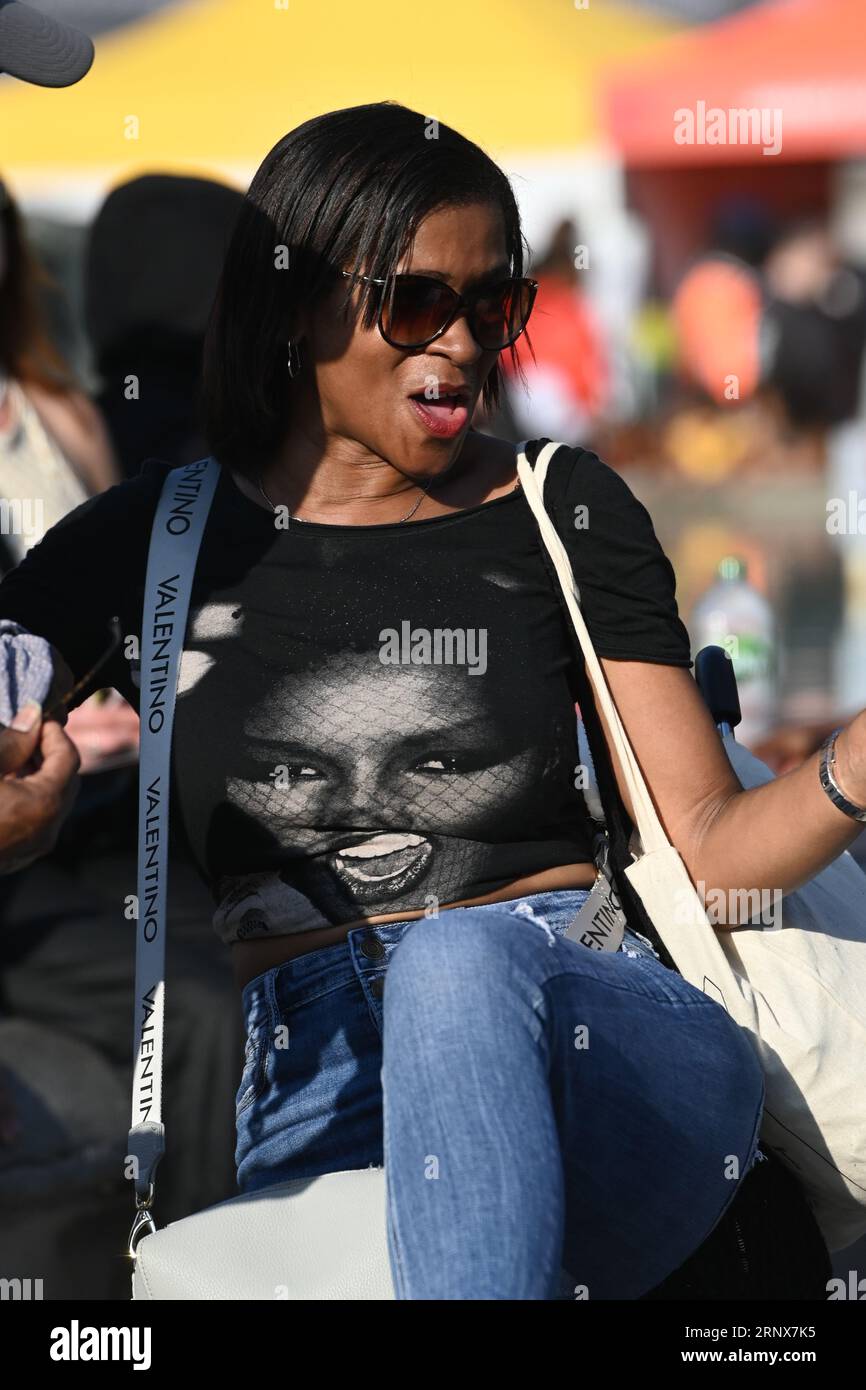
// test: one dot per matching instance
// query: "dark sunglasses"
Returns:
(418, 309)
(63, 701)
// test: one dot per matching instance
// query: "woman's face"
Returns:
(355, 387)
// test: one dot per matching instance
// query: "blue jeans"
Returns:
(554, 1122)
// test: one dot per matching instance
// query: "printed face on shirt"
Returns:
(412, 766)
(372, 778)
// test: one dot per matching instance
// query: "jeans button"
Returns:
(372, 948)
(377, 987)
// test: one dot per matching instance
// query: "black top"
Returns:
(380, 717)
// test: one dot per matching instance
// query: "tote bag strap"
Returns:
(648, 825)
(178, 526)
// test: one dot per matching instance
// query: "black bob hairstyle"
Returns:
(347, 189)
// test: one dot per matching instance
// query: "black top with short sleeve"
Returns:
(369, 718)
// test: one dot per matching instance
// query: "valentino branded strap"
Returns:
(178, 526)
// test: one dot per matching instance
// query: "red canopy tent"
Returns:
(806, 58)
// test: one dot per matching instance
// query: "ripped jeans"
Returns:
(554, 1122)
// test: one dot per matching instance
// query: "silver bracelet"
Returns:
(829, 783)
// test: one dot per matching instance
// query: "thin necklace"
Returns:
(411, 511)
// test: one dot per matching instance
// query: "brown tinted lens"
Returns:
(417, 309)
(502, 313)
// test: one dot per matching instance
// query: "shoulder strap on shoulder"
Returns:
(594, 692)
(542, 458)
(540, 468)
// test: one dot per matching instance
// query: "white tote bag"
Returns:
(798, 990)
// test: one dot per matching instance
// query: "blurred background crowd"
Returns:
(700, 323)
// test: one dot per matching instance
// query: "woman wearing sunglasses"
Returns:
(375, 754)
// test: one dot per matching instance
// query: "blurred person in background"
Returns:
(771, 326)
(45, 421)
(814, 325)
(153, 256)
(54, 452)
(66, 952)
(567, 373)
(54, 449)
(152, 262)
(713, 426)
(815, 332)
(46, 448)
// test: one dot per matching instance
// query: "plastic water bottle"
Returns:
(734, 615)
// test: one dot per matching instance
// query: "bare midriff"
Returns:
(252, 958)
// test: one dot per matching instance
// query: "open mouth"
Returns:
(384, 866)
(445, 416)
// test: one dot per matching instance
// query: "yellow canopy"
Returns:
(209, 86)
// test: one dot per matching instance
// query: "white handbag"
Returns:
(326, 1238)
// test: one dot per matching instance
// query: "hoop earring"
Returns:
(294, 363)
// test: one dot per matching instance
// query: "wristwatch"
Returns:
(828, 781)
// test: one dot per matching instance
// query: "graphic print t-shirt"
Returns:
(370, 719)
